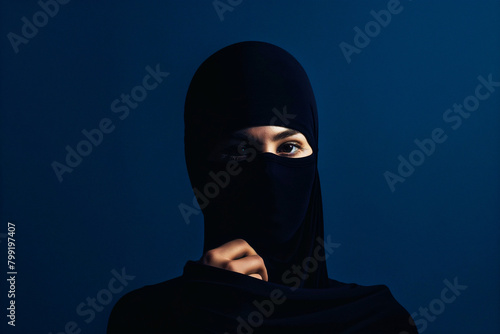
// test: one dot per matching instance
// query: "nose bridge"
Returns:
(263, 146)
(268, 147)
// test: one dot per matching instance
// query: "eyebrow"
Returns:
(279, 136)
(284, 134)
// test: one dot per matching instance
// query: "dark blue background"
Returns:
(119, 207)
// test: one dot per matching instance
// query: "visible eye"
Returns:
(237, 153)
(232, 156)
(289, 148)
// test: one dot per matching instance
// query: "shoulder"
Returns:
(139, 311)
(382, 313)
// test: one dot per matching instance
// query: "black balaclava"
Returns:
(272, 202)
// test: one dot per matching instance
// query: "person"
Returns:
(251, 147)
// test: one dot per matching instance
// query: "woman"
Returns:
(251, 145)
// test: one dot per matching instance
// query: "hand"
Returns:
(238, 256)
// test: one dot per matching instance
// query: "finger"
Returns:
(236, 249)
(232, 250)
(257, 276)
(249, 265)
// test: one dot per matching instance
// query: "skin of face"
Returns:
(277, 140)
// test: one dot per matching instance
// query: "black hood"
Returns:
(272, 202)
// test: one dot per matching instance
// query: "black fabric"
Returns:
(272, 202)
(211, 300)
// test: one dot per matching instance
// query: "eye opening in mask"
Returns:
(245, 144)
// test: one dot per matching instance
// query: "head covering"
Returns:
(274, 202)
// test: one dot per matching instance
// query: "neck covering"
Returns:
(274, 202)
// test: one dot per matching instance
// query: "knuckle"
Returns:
(262, 265)
(230, 266)
(241, 242)
(210, 256)
(258, 260)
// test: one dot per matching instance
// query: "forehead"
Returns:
(266, 132)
